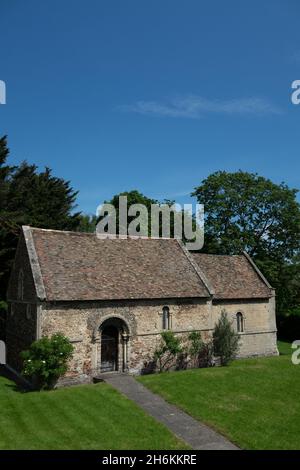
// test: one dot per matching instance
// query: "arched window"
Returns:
(240, 322)
(20, 285)
(166, 318)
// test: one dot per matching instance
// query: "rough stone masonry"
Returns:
(113, 297)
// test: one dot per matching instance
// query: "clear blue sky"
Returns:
(151, 95)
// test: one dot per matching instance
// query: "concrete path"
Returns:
(194, 433)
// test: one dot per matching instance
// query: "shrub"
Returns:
(206, 357)
(168, 350)
(195, 347)
(46, 360)
(225, 340)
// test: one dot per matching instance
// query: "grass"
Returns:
(82, 417)
(254, 402)
(284, 348)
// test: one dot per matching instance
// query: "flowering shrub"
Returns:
(46, 360)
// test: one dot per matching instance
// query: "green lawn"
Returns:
(284, 348)
(83, 417)
(254, 402)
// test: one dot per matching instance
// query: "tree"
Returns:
(30, 198)
(5, 172)
(41, 199)
(135, 197)
(87, 223)
(225, 340)
(245, 211)
(8, 229)
(46, 360)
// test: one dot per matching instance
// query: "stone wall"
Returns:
(259, 336)
(143, 320)
(21, 264)
(28, 319)
(21, 328)
(21, 318)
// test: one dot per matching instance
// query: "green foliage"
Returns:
(245, 211)
(29, 197)
(135, 197)
(3, 306)
(168, 350)
(195, 347)
(196, 343)
(7, 228)
(200, 352)
(225, 340)
(87, 223)
(41, 199)
(285, 278)
(46, 360)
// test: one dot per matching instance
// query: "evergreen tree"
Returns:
(30, 198)
(225, 340)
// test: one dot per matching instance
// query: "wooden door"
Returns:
(109, 349)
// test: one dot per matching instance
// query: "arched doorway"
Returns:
(109, 348)
(114, 335)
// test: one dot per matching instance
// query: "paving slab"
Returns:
(193, 432)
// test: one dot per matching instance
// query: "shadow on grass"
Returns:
(16, 384)
(18, 388)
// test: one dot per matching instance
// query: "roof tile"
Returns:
(78, 266)
(232, 277)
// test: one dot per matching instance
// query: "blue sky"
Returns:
(130, 94)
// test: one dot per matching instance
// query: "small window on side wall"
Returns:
(166, 318)
(240, 322)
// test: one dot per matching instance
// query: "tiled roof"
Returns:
(232, 277)
(78, 266)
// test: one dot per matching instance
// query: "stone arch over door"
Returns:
(112, 339)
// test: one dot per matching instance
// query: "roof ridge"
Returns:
(219, 255)
(257, 270)
(100, 237)
(65, 232)
(199, 272)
